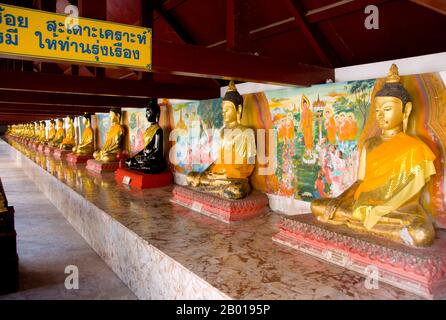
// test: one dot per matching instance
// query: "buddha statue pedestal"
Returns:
(41, 148)
(61, 154)
(100, 166)
(48, 150)
(142, 180)
(226, 210)
(418, 270)
(74, 158)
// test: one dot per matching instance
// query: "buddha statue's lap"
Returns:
(393, 170)
(229, 179)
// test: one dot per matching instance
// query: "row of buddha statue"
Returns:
(149, 160)
(385, 201)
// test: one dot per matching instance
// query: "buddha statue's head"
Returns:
(392, 103)
(153, 111)
(59, 123)
(86, 119)
(115, 116)
(52, 123)
(232, 106)
(42, 125)
(70, 120)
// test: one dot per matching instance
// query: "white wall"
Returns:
(416, 65)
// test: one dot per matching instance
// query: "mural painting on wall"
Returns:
(317, 136)
(197, 125)
(137, 124)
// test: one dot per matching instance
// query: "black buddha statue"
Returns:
(151, 158)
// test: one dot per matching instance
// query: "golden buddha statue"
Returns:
(35, 132)
(42, 132)
(393, 169)
(228, 176)
(86, 146)
(51, 132)
(59, 136)
(70, 136)
(113, 143)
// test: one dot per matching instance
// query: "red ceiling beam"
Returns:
(70, 100)
(339, 8)
(213, 63)
(237, 30)
(436, 5)
(32, 81)
(54, 108)
(178, 29)
(309, 33)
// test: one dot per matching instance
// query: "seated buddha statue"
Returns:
(393, 169)
(35, 131)
(86, 146)
(51, 132)
(59, 136)
(42, 132)
(228, 176)
(113, 143)
(151, 158)
(69, 141)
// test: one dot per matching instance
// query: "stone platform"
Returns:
(100, 167)
(162, 250)
(142, 180)
(418, 270)
(224, 210)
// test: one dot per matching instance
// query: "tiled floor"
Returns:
(47, 243)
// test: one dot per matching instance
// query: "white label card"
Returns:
(196, 206)
(126, 180)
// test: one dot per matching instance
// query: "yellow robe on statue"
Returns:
(86, 146)
(51, 134)
(396, 171)
(112, 145)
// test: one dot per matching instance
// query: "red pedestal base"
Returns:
(61, 154)
(222, 209)
(77, 158)
(142, 180)
(418, 270)
(41, 148)
(99, 166)
(49, 150)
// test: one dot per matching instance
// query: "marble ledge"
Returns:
(164, 251)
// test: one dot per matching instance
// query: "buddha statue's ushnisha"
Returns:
(86, 146)
(59, 136)
(393, 169)
(151, 158)
(113, 143)
(228, 176)
(51, 131)
(70, 136)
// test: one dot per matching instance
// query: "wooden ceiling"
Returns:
(199, 45)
